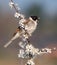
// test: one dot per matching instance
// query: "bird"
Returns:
(26, 28)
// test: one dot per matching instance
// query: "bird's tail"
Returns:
(7, 44)
(13, 38)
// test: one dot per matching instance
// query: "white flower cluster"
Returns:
(21, 53)
(22, 45)
(11, 4)
(17, 15)
(31, 52)
(47, 50)
(15, 6)
(21, 23)
(30, 62)
(31, 49)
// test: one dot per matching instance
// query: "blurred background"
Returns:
(44, 36)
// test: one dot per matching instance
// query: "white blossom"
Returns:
(36, 50)
(21, 53)
(26, 36)
(22, 45)
(44, 50)
(11, 4)
(30, 49)
(21, 22)
(30, 62)
(17, 15)
(40, 52)
(48, 50)
(29, 46)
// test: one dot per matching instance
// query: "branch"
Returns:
(17, 9)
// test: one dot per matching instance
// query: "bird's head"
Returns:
(34, 18)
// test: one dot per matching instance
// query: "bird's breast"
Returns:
(31, 26)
